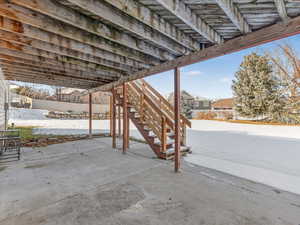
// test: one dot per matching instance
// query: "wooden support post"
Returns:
(111, 114)
(90, 115)
(119, 121)
(113, 118)
(177, 99)
(127, 132)
(124, 118)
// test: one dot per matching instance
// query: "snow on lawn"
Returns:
(27, 114)
(263, 153)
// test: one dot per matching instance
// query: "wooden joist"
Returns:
(234, 14)
(151, 19)
(48, 12)
(186, 15)
(104, 12)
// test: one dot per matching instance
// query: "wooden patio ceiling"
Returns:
(96, 44)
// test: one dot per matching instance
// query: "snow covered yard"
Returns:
(262, 153)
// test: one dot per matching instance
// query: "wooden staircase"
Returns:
(153, 116)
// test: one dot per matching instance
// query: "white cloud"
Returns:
(226, 80)
(192, 73)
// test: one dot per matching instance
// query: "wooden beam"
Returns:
(144, 15)
(265, 35)
(113, 118)
(103, 11)
(18, 56)
(124, 118)
(61, 58)
(90, 115)
(48, 76)
(177, 100)
(187, 16)
(40, 26)
(50, 72)
(41, 66)
(280, 5)
(234, 15)
(77, 20)
(64, 51)
(28, 34)
(13, 76)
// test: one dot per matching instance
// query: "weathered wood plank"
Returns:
(29, 33)
(24, 68)
(234, 14)
(33, 13)
(185, 14)
(143, 14)
(62, 58)
(280, 5)
(104, 12)
(15, 56)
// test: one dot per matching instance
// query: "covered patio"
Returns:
(88, 182)
(103, 45)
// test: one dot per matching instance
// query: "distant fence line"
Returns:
(68, 106)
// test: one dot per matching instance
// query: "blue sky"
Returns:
(212, 78)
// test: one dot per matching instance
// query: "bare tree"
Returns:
(286, 66)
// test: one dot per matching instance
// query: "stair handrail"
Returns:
(169, 121)
(168, 104)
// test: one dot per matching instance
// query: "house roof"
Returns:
(226, 103)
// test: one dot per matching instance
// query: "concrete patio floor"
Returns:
(89, 183)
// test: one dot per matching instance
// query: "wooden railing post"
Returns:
(183, 133)
(142, 102)
(163, 135)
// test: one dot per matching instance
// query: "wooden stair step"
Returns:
(153, 135)
(182, 149)
(147, 128)
(168, 142)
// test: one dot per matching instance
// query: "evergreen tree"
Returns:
(256, 89)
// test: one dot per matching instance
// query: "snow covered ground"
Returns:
(261, 153)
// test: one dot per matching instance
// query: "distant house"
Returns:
(20, 101)
(69, 95)
(201, 103)
(191, 102)
(97, 97)
(223, 104)
(76, 96)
